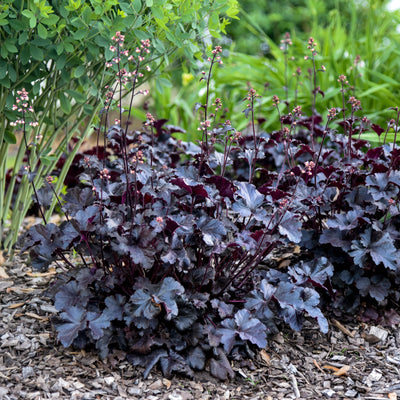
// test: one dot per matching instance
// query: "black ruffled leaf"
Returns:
(71, 294)
(290, 226)
(317, 272)
(244, 325)
(377, 287)
(74, 321)
(379, 246)
(148, 361)
(150, 301)
(248, 199)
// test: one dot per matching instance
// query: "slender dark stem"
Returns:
(253, 163)
(29, 169)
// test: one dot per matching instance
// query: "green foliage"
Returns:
(57, 52)
(366, 32)
(299, 17)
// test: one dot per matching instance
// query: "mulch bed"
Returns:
(355, 361)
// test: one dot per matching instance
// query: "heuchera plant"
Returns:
(169, 236)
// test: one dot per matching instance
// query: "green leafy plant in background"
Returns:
(298, 17)
(56, 52)
(357, 40)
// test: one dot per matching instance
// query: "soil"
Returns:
(353, 361)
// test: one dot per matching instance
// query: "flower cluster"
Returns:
(283, 203)
(150, 120)
(252, 94)
(204, 125)
(217, 104)
(311, 46)
(216, 50)
(236, 137)
(286, 42)
(118, 40)
(355, 104)
(105, 174)
(297, 111)
(22, 106)
(298, 72)
(138, 157)
(332, 113)
(308, 167)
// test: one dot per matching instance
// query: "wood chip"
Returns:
(33, 315)
(330, 367)
(167, 383)
(265, 357)
(342, 371)
(51, 271)
(317, 365)
(392, 396)
(16, 305)
(343, 328)
(20, 290)
(3, 273)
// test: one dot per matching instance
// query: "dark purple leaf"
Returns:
(187, 316)
(151, 300)
(114, 307)
(220, 367)
(167, 294)
(377, 287)
(71, 294)
(248, 199)
(375, 153)
(259, 301)
(97, 322)
(391, 318)
(175, 363)
(45, 196)
(190, 187)
(336, 238)
(212, 230)
(224, 186)
(317, 271)
(196, 358)
(247, 327)
(78, 199)
(351, 220)
(289, 299)
(378, 129)
(138, 254)
(379, 246)
(383, 186)
(148, 361)
(224, 310)
(311, 302)
(250, 328)
(84, 218)
(227, 334)
(290, 227)
(144, 304)
(74, 321)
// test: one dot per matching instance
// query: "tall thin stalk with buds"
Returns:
(285, 43)
(206, 123)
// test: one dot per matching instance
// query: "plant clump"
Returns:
(172, 238)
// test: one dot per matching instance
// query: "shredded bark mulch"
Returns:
(353, 361)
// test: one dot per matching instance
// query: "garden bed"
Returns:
(345, 363)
